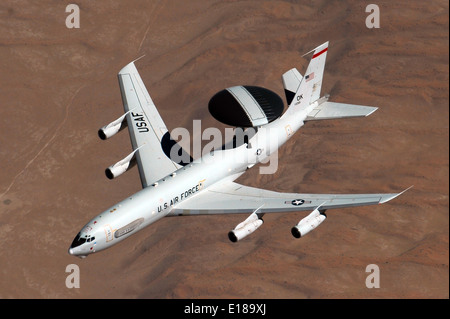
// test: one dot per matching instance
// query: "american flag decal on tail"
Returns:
(309, 77)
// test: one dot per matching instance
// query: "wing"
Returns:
(230, 197)
(147, 129)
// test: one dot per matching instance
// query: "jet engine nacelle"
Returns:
(252, 223)
(308, 223)
(121, 166)
(112, 128)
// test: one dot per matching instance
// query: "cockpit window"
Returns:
(78, 241)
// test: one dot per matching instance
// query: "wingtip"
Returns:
(373, 110)
(139, 58)
(130, 67)
(389, 197)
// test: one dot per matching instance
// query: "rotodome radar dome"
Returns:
(246, 106)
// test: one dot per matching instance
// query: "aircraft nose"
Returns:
(71, 252)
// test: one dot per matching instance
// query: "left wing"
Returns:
(148, 132)
(230, 197)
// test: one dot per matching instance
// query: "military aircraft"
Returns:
(173, 184)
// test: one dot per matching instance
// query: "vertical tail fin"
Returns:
(315, 70)
(293, 80)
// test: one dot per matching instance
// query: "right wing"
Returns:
(233, 198)
(147, 129)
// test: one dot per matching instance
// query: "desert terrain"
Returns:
(58, 86)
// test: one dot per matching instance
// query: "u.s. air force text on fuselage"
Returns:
(183, 195)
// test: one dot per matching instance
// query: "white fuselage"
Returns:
(158, 200)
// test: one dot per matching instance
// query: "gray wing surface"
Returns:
(332, 110)
(234, 198)
(146, 127)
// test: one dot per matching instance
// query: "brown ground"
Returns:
(59, 85)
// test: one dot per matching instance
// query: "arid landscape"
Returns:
(58, 86)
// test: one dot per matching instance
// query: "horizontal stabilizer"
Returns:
(331, 110)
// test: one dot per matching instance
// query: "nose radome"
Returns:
(71, 251)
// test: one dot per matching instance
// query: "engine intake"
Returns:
(121, 166)
(248, 226)
(309, 223)
(113, 128)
